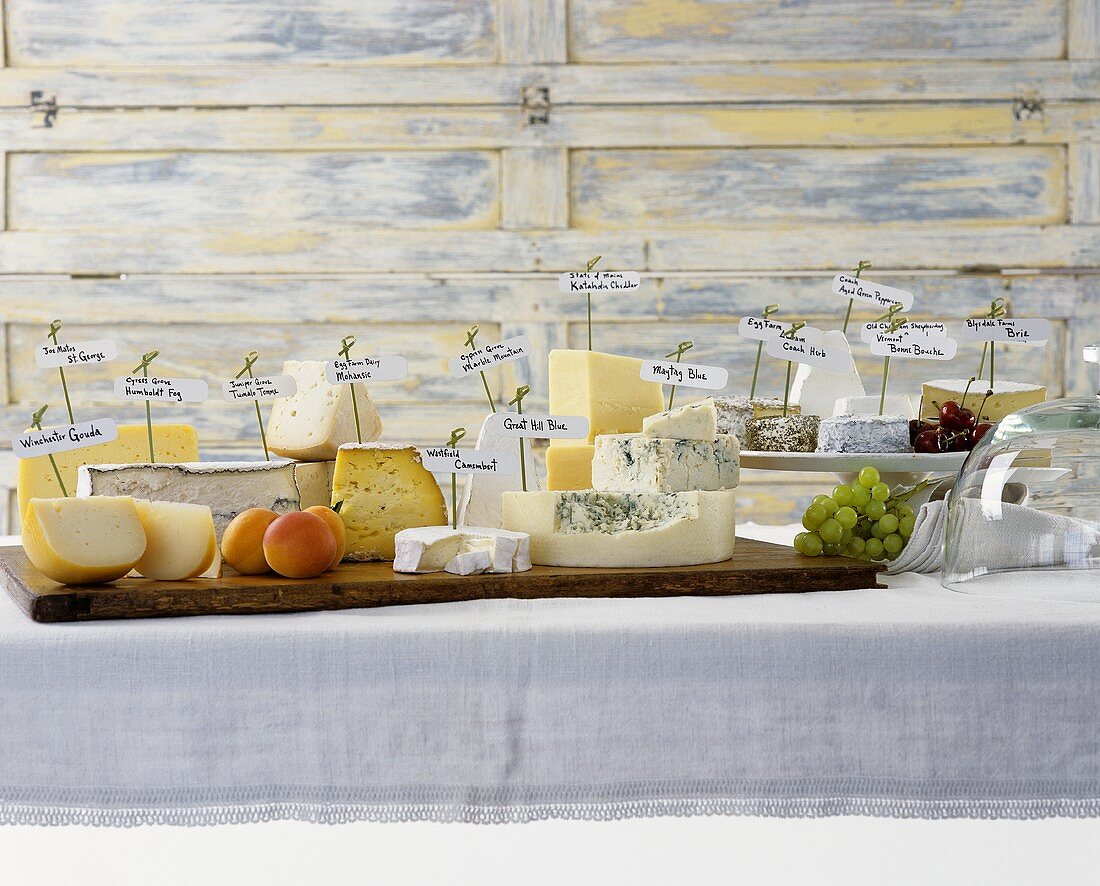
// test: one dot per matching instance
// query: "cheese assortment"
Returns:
(382, 489)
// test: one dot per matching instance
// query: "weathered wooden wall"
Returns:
(237, 174)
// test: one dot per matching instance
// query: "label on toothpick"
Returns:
(760, 328)
(64, 438)
(554, 427)
(1015, 330)
(75, 353)
(342, 372)
(688, 375)
(447, 460)
(914, 346)
(489, 356)
(873, 293)
(810, 350)
(170, 390)
(262, 387)
(914, 327)
(599, 281)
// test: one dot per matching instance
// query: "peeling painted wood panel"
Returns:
(535, 188)
(678, 189)
(811, 247)
(1084, 183)
(491, 128)
(533, 31)
(213, 352)
(1083, 29)
(732, 30)
(1081, 378)
(527, 301)
(260, 86)
(210, 32)
(184, 192)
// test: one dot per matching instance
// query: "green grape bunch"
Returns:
(863, 520)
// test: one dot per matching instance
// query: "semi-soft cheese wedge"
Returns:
(569, 467)
(434, 548)
(695, 421)
(313, 423)
(637, 463)
(480, 503)
(383, 489)
(179, 540)
(171, 443)
(1008, 396)
(314, 480)
(79, 541)
(612, 529)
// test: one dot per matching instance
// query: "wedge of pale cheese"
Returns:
(695, 421)
(613, 529)
(314, 481)
(1007, 397)
(441, 548)
(480, 502)
(83, 540)
(179, 540)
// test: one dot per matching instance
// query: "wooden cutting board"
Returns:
(757, 568)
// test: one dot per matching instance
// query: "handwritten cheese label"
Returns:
(447, 460)
(599, 281)
(1014, 330)
(873, 293)
(79, 353)
(810, 350)
(64, 438)
(914, 327)
(170, 390)
(688, 375)
(760, 328)
(564, 427)
(262, 387)
(914, 346)
(342, 372)
(489, 356)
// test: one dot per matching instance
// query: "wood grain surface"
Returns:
(756, 568)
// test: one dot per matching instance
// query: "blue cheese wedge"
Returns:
(695, 421)
(460, 551)
(637, 463)
(615, 529)
(864, 432)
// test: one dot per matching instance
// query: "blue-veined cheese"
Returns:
(636, 463)
(695, 421)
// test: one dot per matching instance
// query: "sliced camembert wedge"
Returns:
(437, 548)
(614, 529)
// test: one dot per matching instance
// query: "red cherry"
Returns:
(948, 412)
(916, 426)
(959, 442)
(928, 441)
(980, 430)
(966, 420)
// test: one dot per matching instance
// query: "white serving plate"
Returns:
(896, 468)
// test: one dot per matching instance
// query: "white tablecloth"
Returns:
(911, 701)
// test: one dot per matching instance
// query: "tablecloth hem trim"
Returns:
(345, 813)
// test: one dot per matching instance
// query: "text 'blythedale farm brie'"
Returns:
(613, 529)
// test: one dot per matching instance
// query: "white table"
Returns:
(910, 701)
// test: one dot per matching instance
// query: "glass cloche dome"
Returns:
(1024, 515)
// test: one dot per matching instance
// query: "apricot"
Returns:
(339, 531)
(299, 545)
(243, 541)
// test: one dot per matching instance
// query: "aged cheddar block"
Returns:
(319, 418)
(171, 443)
(383, 489)
(614, 529)
(569, 467)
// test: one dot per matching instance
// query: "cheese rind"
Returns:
(816, 390)
(83, 541)
(611, 529)
(864, 432)
(435, 548)
(227, 488)
(695, 421)
(569, 467)
(384, 489)
(636, 463)
(480, 502)
(313, 423)
(171, 443)
(314, 482)
(1007, 397)
(735, 413)
(179, 540)
(783, 433)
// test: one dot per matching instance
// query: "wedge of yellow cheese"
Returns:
(179, 540)
(83, 540)
(383, 489)
(171, 443)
